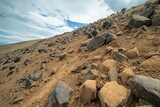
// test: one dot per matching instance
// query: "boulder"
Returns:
(88, 91)
(138, 21)
(148, 13)
(62, 56)
(146, 88)
(59, 97)
(17, 59)
(109, 37)
(92, 33)
(125, 75)
(120, 57)
(79, 68)
(25, 82)
(113, 95)
(89, 75)
(106, 24)
(42, 50)
(132, 53)
(107, 64)
(35, 75)
(95, 43)
(152, 64)
(155, 20)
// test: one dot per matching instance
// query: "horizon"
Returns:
(43, 19)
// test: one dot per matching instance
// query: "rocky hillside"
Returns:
(113, 62)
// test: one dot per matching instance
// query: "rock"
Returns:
(113, 95)
(133, 53)
(144, 28)
(92, 33)
(79, 68)
(113, 74)
(27, 61)
(95, 43)
(108, 49)
(35, 75)
(62, 56)
(151, 64)
(26, 83)
(106, 24)
(59, 97)
(88, 91)
(148, 13)
(146, 88)
(110, 37)
(17, 99)
(70, 51)
(119, 33)
(120, 57)
(53, 71)
(85, 42)
(42, 50)
(138, 21)
(125, 75)
(113, 44)
(90, 75)
(17, 59)
(107, 64)
(155, 20)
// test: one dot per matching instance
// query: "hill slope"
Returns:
(110, 49)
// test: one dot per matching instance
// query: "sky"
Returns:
(22, 20)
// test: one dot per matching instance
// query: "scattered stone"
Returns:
(113, 44)
(90, 75)
(71, 51)
(144, 28)
(109, 49)
(92, 33)
(125, 75)
(53, 72)
(151, 64)
(148, 13)
(97, 57)
(88, 91)
(106, 65)
(17, 99)
(35, 75)
(113, 74)
(155, 20)
(133, 53)
(95, 43)
(119, 33)
(59, 97)
(146, 88)
(110, 37)
(42, 50)
(27, 61)
(120, 57)
(79, 68)
(106, 24)
(113, 95)
(138, 21)
(62, 56)
(25, 82)
(17, 59)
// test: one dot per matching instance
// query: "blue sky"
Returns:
(22, 20)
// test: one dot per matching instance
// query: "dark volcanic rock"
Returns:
(138, 21)
(109, 37)
(79, 68)
(95, 43)
(59, 97)
(17, 59)
(146, 88)
(148, 13)
(35, 75)
(120, 57)
(26, 82)
(106, 24)
(92, 33)
(27, 61)
(42, 50)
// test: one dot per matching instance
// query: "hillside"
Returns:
(113, 62)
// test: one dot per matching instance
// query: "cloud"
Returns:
(117, 5)
(34, 19)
